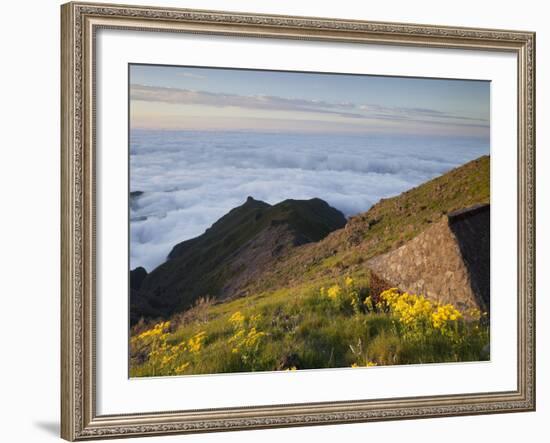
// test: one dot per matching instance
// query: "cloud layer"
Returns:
(190, 179)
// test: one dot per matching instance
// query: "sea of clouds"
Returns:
(190, 179)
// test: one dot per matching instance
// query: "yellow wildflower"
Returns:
(195, 343)
(444, 314)
(246, 337)
(237, 319)
(369, 304)
(158, 330)
(255, 319)
(390, 295)
(181, 368)
(367, 365)
(334, 292)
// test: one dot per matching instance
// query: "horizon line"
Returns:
(306, 132)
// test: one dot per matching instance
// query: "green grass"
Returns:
(308, 331)
(401, 218)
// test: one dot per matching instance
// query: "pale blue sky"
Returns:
(167, 97)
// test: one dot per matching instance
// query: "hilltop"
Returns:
(234, 251)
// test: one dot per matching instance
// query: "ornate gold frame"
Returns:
(80, 21)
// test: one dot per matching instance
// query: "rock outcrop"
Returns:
(448, 262)
(136, 278)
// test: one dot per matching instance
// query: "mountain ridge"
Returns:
(231, 252)
(257, 247)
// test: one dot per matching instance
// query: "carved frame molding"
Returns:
(80, 21)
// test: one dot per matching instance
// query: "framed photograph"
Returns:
(282, 221)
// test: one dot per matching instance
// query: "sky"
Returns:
(190, 98)
(202, 140)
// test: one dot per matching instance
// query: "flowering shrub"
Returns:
(162, 357)
(158, 330)
(194, 344)
(246, 338)
(344, 295)
(443, 315)
(335, 293)
(417, 315)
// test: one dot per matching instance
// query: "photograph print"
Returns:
(283, 221)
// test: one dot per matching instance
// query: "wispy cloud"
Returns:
(397, 112)
(191, 75)
(264, 102)
(276, 103)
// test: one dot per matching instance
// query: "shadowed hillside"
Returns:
(235, 249)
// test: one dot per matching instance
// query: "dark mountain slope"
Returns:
(231, 253)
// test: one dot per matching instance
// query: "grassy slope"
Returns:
(403, 217)
(306, 330)
(302, 329)
(387, 225)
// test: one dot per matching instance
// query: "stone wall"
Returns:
(448, 262)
